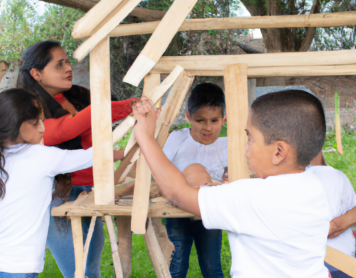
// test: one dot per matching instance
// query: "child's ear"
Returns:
(224, 120)
(280, 152)
(188, 117)
(36, 75)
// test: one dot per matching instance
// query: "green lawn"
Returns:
(141, 265)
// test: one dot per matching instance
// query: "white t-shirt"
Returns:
(341, 197)
(277, 226)
(25, 209)
(182, 150)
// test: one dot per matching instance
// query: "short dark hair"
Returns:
(206, 94)
(294, 116)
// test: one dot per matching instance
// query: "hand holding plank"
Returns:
(146, 117)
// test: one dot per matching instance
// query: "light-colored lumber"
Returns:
(171, 108)
(159, 40)
(154, 250)
(338, 125)
(253, 22)
(124, 234)
(122, 129)
(100, 93)
(251, 84)
(341, 261)
(166, 245)
(155, 94)
(236, 98)
(126, 164)
(113, 243)
(123, 9)
(93, 17)
(77, 233)
(141, 196)
(147, 14)
(271, 60)
(88, 240)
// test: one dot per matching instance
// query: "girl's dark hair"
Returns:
(16, 107)
(206, 94)
(37, 56)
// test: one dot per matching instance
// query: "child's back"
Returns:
(341, 198)
(277, 226)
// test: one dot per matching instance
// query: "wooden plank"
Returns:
(171, 108)
(166, 245)
(154, 250)
(287, 59)
(114, 249)
(77, 233)
(159, 40)
(126, 164)
(236, 98)
(100, 93)
(141, 196)
(341, 261)
(88, 240)
(122, 10)
(260, 72)
(93, 17)
(253, 22)
(124, 235)
(251, 84)
(147, 14)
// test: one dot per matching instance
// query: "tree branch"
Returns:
(310, 31)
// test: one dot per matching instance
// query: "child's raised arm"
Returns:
(170, 180)
(342, 223)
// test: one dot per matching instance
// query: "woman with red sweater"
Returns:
(47, 72)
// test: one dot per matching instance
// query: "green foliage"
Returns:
(21, 26)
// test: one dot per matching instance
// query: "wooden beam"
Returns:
(147, 14)
(252, 22)
(77, 233)
(126, 164)
(141, 196)
(124, 235)
(93, 17)
(236, 98)
(114, 248)
(154, 250)
(100, 92)
(88, 240)
(271, 60)
(341, 261)
(122, 10)
(159, 41)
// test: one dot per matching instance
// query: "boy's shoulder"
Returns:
(328, 173)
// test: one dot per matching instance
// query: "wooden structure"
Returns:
(140, 212)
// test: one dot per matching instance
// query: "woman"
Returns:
(47, 72)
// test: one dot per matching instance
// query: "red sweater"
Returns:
(68, 127)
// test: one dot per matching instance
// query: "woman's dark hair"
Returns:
(206, 94)
(16, 107)
(294, 116)
(37, 56)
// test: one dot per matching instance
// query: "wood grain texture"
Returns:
(114, 248)
(88, 240)
(100, 93)
(166, 245)
(156, 255)
(111, 21)
(341, 261)
(77, 233)
(124, 234)
(159, 41)
(141, 196)
(236, 97)
(253, 22)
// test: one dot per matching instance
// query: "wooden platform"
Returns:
(84, 206)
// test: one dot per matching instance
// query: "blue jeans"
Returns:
(182, 232)
(60, 241)
(335, 273)
(18, 275)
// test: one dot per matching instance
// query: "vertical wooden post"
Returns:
(236, 96)
(77, 233)
(100, 91)
(124, 235)
(251, 91)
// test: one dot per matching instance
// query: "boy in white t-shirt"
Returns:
(277, 223)
(341, 197)
(199, 144)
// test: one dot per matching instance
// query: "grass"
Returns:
(141, 264)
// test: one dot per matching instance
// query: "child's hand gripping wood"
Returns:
(170, 180)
